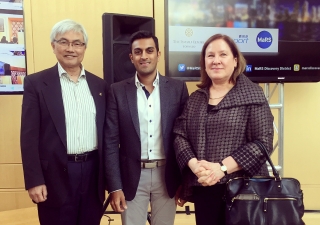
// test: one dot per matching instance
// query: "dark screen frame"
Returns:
(304, 53)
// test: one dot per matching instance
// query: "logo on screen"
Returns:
(189, 32)
(181, 67)
(296, 67)
(242, 39)
(264, 39)
(248, 68)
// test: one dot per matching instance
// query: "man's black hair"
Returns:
(143, 34)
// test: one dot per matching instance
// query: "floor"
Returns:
(28, 216)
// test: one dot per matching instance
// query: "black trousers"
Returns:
(209, 204)
(83, 206)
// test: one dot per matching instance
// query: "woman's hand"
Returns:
(208, 173)
(195, 166)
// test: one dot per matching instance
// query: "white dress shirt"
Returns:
(150, 121)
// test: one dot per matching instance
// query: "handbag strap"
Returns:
(265, 152)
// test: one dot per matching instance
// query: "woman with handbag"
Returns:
(214, 136)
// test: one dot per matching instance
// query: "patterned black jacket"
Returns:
(229, 129)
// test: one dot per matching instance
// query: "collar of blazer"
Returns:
(244, 92)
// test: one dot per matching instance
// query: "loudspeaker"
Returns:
(117, 29)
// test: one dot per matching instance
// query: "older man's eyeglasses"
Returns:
(65, 43)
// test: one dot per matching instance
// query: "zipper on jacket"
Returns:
(265, 201)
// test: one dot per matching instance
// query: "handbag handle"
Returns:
(265, 152)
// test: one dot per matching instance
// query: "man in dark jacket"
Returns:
(140, 161)
(63, 113)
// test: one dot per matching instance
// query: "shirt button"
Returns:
(150, 121)
(150, 150)
(150, 135)
(149, 105)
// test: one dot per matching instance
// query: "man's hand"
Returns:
(179, 201)
(117, 201)
(38, 193)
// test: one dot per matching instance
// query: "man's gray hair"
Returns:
(66, 26)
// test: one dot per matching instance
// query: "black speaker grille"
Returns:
(123, 67)
(116, 31)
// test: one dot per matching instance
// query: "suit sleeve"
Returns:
(111, 144)
(29, 136)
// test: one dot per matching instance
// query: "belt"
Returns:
(149, 164)
(82, 157)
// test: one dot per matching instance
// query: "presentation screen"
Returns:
(12, 47)
(280, 39)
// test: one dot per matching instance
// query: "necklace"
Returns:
(218, 97)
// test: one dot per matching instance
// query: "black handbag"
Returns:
(264, 200)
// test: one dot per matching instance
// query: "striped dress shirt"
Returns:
(80, 113)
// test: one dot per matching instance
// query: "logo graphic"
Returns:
(181, 67)
(248, 68)
(242, 39)
(189, 32)
(296, 67)
(264, 39)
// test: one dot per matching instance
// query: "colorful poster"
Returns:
(12, 47)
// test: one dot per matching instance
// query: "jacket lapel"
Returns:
(131, 92)
(98, 97)
(164, 101)
(53, 98)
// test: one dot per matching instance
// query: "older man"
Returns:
(63, 113)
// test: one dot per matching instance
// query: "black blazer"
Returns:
(122, 137)
(43, 133)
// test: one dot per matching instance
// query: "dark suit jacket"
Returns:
(122, 136)
(43, 133)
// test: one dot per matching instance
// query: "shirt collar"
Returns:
(139, 84)
(63, 72)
